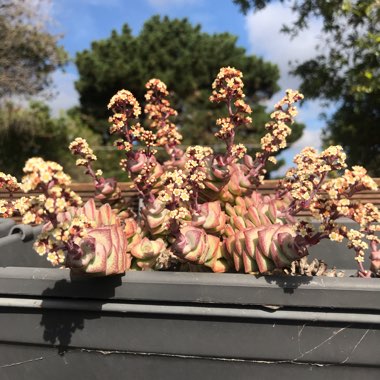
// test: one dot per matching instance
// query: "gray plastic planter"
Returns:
(166, 325)
(152, 325)
(5, 226)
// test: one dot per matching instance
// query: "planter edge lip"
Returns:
(196, 288)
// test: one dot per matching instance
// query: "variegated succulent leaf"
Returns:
(156, 217)
(217, 175)
(103, 247)
(210, 217)
(264, 248)
(196, 246)
(146, 252)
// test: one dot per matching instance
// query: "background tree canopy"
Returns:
(28, 52)
(31, 131)
(346, 69)
(187, 60)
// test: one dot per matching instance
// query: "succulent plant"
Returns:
(238, 184)
(257, 238)
(103, 246)
(138, 164)
(210, 217)
(146, 253)
(217, 176)
(200, 210)
(156, 217)
(264, 248)
(196, 246)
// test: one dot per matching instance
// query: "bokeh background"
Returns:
(62, 60)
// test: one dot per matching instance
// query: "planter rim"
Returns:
(316, 316)
(195, 288)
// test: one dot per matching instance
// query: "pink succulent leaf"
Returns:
(250, 264)
(263, 262)
(99, 262)
(90, 211)
(216, 255)
(240, 210)
(230, 210)
(103, 248)
(210, 217)
(375, 261)
(137, 163)
(252, 240)
(254, 216)
(239, 223)
(102, 235)
(265, 239)
(115, 258)
(239, 201)
(263, 212)
(106, 216)
(147, 249)
(279, 258)
(156, 216)
(272, 211)
(130, 227)
(191, 244)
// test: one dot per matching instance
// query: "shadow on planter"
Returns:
(59, 327)
(288, 283)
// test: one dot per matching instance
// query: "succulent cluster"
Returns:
(201, 210)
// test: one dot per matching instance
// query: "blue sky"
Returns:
(83, 21)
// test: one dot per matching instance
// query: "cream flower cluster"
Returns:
(303, 181)
(125, 103)
(57, 240)
(124, 107)
(278, 130)
(6, 208)
(39, 172)
(228, 88)
(175, 187)
(352, 180)
(80, 147)
(159, 111)
(48, 178)
(144, 135)
(195, 166)
(8, 183)
(227, 85)
(238, 151)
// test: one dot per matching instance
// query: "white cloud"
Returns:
(65, 95)
(266, 39)
(310, 137)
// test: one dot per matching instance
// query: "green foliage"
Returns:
(345, 70)
(356, 126)
(28, 51)
(31, 131)
(187, 60)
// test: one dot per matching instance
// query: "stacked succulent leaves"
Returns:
(201, 210)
